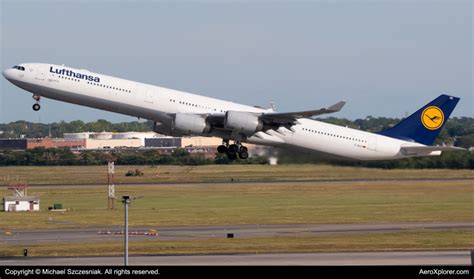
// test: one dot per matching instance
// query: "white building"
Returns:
(113, 143)
(200, 141)
(111, 135)
(84, 135)
(136, 135)
(28, 203)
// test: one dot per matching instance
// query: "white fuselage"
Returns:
(142, 100)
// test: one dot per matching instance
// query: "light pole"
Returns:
(126, 201)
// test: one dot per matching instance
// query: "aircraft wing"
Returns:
(277, 118)
(413, 150)
(290, 117)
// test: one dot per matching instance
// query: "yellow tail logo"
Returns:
(432, 118)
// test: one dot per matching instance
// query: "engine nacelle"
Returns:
(165, 130)
(246, 123)
(191, 123)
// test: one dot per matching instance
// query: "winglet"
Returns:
(336, 107)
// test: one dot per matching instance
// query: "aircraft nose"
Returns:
(8, 74)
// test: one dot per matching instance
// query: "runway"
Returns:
(309, 259)
(28, 237)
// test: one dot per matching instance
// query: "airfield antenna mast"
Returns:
(111, 185)
(20, 189)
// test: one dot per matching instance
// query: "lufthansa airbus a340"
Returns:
(179, 113)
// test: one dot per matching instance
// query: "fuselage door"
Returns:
(372, 143)
(149, 96)
(39, 73)
(145, 93)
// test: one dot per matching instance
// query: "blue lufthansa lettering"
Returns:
(70, 73)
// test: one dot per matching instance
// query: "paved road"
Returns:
(27, 237)
(369, 258)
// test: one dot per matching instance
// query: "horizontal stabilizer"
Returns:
(413, 150)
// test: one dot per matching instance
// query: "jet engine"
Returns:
(191, 123)
(246, 123)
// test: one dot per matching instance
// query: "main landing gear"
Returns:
(36, 106)
(233, 150)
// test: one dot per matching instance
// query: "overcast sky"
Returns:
(385, 58)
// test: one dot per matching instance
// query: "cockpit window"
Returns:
(21, 68)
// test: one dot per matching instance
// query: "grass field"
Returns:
(250, 203)
(410, 240)
(215, 173)
(283, 203)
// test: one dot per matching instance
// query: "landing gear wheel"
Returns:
(243, 152)
(243, 155)
(36, 106)
(222, 149)
(233, 148)
(231, 156)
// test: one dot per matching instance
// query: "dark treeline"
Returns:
(65, 157)
(458, 131)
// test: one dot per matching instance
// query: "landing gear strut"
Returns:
(36, 106)
(233, 150)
